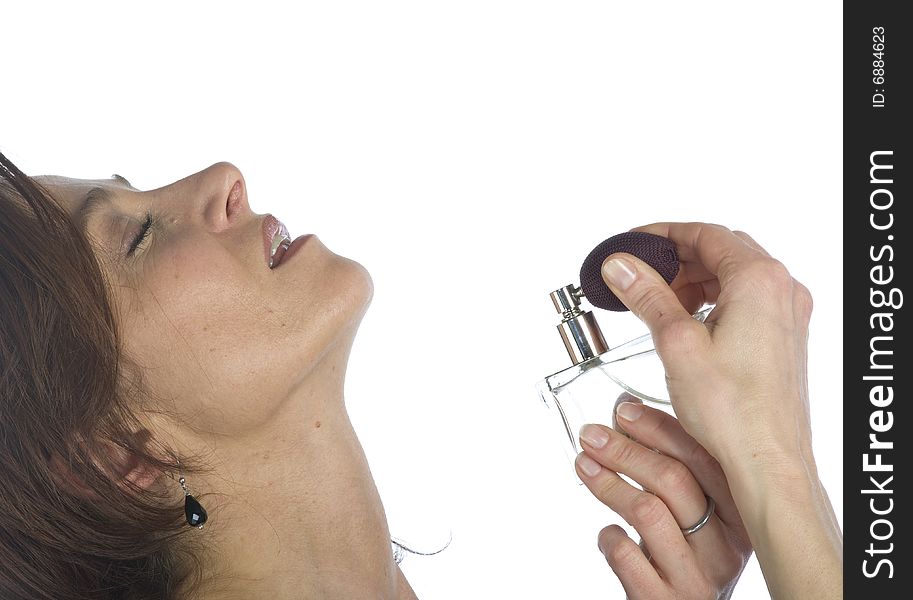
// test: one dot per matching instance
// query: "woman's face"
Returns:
(221, 338)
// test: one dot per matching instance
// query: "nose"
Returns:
(217, 194)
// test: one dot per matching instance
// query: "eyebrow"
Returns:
(96, 199)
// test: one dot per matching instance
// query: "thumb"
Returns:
(624, 397)
(675, 333)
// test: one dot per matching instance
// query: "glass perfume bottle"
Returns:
(586, 392)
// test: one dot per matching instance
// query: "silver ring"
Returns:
(711, 506)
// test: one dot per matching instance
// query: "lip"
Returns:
(270, 227)
(296, 245)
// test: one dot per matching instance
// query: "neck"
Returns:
(295, 512)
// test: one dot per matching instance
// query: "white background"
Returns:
(469, 154)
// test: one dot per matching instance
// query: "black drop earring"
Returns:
(193, 510)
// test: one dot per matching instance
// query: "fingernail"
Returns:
(594, 436)
(630, 411)
(619, 272)
(599, 543)
(588, 466)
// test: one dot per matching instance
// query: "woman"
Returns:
(162, 344)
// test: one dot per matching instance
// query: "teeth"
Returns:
(280, 239)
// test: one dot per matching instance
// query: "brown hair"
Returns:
(68, 407)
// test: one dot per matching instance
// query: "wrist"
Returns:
(769, 484)
(752, 452)
(788, 517)
(773, 467)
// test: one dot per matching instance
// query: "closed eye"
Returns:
(143, 234)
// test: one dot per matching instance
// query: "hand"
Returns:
(737, 383)
(680, 475)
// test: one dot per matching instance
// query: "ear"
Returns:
(128, 467)
(121, 465)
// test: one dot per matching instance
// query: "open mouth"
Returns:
(276, 240)
(280, 245)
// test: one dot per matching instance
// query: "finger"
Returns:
(695, 295)
(631, 566)
(802, 299)
(623, 397)
(676, 335)
(663, 475)
(692, 282)
(802, 313)
(802, 307)
(691, 272)
(763, 283)
(656, 429)
(751, 242)
(646, 513)
(714, 246)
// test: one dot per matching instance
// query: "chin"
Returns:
(358, 287)
(339, 282)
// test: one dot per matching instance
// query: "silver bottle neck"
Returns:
(578, 328)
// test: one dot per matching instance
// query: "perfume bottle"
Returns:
(587, 391)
